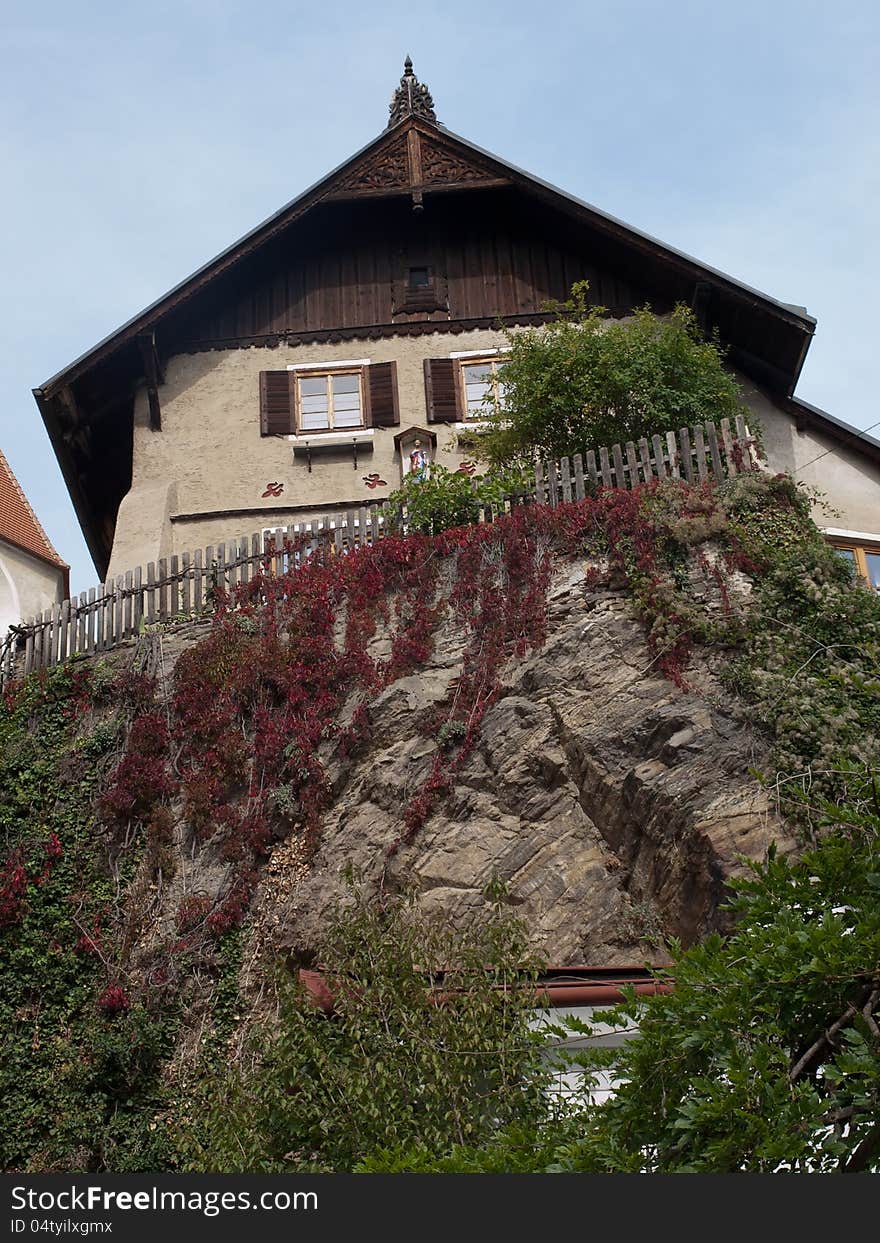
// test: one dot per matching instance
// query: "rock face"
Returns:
(614, 804)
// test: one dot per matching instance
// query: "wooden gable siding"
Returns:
(338, 271)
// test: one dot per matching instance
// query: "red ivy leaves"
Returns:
(256, 703)
(114, 1000)
(14, 878)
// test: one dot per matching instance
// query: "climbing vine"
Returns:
(112, 778)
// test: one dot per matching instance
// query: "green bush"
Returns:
(585, 380)
(448, 499)
(406, 1060)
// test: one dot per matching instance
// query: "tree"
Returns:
(406, 1057)
(766, 1056)
(585, 380)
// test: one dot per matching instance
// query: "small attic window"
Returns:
(420, 288)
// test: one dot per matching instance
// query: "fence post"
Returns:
(684, 440)
(137, 604)
(713, 449)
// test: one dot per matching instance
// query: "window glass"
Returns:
(314, 403)
(480, 382)
(865, 561)
(418, 278)
(330, 401)
(346, 401)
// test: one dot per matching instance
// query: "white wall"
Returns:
(27, 585)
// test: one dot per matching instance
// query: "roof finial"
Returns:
(411, 99)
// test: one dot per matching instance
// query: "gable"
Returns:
(330, 265)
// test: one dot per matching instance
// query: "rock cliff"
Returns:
(614, 803)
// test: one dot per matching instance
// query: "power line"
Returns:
(834, 450)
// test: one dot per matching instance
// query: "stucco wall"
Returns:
(849, 483)
(209, 458)
(27, 586)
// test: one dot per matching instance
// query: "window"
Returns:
(419, 290)
(329, 402)
(864, 558)
(482, 386)
(315, 401)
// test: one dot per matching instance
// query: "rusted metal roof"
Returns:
(556, 986)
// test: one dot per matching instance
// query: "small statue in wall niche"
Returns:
(273, 489)
(418, 461)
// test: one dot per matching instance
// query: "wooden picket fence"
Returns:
(183, 586)
(692, 454)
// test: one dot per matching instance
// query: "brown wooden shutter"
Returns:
(441, 390)
(381, 395)
(276, 403)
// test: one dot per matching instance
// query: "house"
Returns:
(354, 333)
(32, 575)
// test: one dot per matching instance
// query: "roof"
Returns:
(19, 525)
(279, 219)
(554, 987)
(822, 421)
(87, 407)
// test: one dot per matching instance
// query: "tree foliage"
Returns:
(406, 1058)
(766, 1056)
(585, 380)
(445, 499)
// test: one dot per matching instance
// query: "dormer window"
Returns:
(419, 290)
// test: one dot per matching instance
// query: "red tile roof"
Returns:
(19, 524)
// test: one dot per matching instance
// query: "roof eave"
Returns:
(790, 312)
(845, 433)
(244, 244)
(144, 318)
(83, 511)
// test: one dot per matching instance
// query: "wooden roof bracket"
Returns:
(414, 163)
(701, 301)
(154, 373)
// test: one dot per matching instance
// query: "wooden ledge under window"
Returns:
(332, 440)
(356, 441)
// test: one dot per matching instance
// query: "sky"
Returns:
(138, 141)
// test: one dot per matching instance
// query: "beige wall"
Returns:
(209, 457)
(27, 586)
(848, 481)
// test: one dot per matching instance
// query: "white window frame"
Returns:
(331, 433)
(464, 358)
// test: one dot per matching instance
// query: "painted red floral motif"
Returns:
(273, 489)
(373, 481)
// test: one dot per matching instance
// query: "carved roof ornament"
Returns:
(411, 99)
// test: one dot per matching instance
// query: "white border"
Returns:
(344, 362)
(840, 533)
(342, 437)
